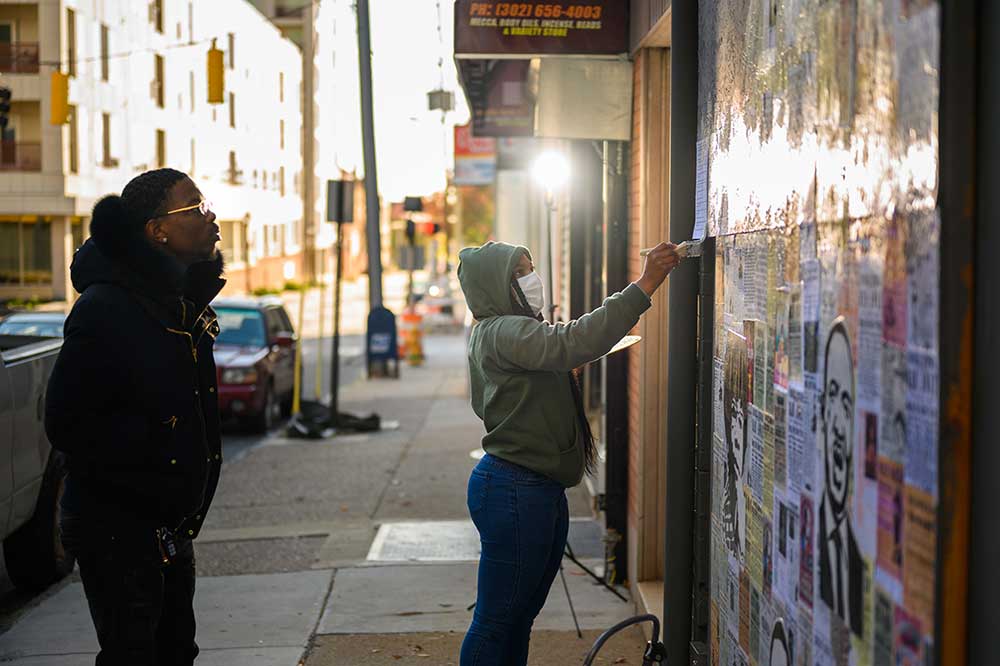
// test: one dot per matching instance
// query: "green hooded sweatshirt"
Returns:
(520, 366)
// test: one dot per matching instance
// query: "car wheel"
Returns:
(269, 413)
(34, 554)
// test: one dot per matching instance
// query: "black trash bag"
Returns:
(314, 421)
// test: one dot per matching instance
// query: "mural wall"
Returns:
(817, 161)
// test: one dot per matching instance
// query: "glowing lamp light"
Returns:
(551, 170)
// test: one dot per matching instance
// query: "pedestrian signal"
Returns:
(59, 110)
(216, 76)
(4, 107)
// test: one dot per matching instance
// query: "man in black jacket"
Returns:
(132, 403)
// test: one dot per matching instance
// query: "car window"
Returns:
(242, 327)
(274, 323)
(37, 328)
(285, 321)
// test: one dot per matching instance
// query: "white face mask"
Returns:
(533, 290)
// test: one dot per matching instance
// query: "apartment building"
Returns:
(138, 100)
(311, 24)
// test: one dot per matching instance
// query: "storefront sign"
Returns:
(475, 158)
(544, 27)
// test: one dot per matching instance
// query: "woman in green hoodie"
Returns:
(538, 441)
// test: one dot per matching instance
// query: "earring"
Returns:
(163, 240)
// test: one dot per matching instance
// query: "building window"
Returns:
(76, 233)
(106, 132)
(229, 246)
(281, 86)
(191, 22)
(192, 158)
(191, 89)
(70, 42)
(281, 180)
(74, 147)
(157, 88)
(281, 133)
(161, 148)
(232, 50)
(233, 171)
(104, 52)
(26, 252)
(232, 110)
(156, 14)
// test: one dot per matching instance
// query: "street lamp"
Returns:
(551, 171)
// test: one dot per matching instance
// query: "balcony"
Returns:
(20, 156)
(19, 58)
(290, 9)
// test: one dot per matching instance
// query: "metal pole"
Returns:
(959, 141)
(309, 143)
(615, 393)
(984, 648)
(371, 178)
(322, 314)
(335, 361)
(682, 367)
(549, 208)
(410, 261)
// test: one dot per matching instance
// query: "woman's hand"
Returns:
(659, 262)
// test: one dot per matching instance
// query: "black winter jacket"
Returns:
(132, 397)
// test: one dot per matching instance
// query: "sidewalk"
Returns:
(352, 551)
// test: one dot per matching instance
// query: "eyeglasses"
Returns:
(204, 207)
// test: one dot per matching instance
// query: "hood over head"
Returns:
(485, 274)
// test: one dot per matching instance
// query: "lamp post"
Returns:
(551, 171)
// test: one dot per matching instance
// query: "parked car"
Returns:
(40, 324)
(32, 474)
(255, 357)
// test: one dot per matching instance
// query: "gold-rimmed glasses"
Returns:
(204, 207)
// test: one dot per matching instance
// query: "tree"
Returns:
(478, 211)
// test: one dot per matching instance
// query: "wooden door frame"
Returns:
(653, 228)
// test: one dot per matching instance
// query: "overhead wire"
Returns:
(125, 54)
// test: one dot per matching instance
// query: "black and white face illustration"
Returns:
(737, 437)
(779, 655)
(837, 411)
(734, 408)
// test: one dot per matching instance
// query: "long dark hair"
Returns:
(521, 307)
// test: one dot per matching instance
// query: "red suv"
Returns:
(255, 360)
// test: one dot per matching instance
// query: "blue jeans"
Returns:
(523, 520)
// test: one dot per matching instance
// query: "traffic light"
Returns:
(59, 113)
(216, 76)
(4, 107)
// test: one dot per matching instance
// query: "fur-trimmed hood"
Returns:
(129, 260)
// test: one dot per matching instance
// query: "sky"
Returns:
(413, 149)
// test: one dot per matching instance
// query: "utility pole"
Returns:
(309, 143)
(373, 235)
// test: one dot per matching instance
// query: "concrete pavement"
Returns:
(354, 550)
